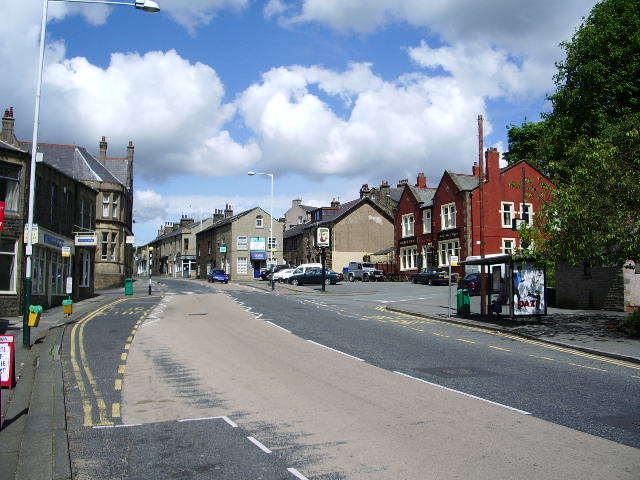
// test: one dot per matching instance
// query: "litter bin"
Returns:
(128, 286)
(34, 315)
(464, 302)
(67, 307)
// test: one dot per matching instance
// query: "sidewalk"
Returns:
(33, 440)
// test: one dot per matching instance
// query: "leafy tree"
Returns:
(589, 144)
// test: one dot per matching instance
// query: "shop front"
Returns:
(258, 254)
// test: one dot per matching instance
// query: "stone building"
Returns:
(239, 244)
(298, 214)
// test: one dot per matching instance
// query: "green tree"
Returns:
(589, 143)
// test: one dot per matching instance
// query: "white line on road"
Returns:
(278, 326)
(463, 393)
(258, 444)
(337, 351)
(296, 474)
(259, 316)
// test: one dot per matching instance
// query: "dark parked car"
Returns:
(472, 283)
(314, 276)
(431, 276)
(217, 275)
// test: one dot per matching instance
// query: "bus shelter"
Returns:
(513, 287)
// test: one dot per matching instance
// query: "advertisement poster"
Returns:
(7, 361)
(323, 237)
(528, 290)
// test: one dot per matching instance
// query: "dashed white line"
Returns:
(259, 445)
(296, 474)
(278, 326)
(337, 351)
(463, 393)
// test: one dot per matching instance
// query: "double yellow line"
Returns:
(77, 334)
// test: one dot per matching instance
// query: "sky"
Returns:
(325, 94)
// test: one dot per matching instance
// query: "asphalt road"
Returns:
(187, 384)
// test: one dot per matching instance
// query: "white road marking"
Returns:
(149, 324)
(258, 444)
(259, 316)
(337, 351)
(189, 293)
(296, 474)
(278, 326)
(463, 393)
(226, 419)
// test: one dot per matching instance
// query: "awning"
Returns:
(258, 255)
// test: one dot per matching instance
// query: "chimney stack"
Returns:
(335, 203)
(492, 160)
(422, 180)
(103, 150)
(8, 134)
(475, 170)
(364, 191)
(228, 211)
(403, 183)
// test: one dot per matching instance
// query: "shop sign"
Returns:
(223, 249)
(405, 242)
(66, 252)
(258, 255)
(86, 240)
(258, 244)
(448, 234)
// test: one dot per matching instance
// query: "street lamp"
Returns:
(149, 250)
(271, 220)
(144, 5)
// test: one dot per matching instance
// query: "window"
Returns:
(259, 222)
(39, 276)
(186, 244)
(408, 258)
(8, 265)
(407, 225)
(448, 248)
(104, 244)
(508, 245)
(52, 205)
(208, 247)
(91, 224)
(10, 187)
(241, 242)
(106, 205)
(272, 244)
(114, 246)
(82, 213)
(115, 206)
(448, 216)
(85, 265)
(426, 221)
(507, 214)
(527, 213)
(241, 266)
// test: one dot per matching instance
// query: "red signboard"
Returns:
(1, 215)
(7, 361)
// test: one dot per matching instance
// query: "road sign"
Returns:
(66, 252)
(2, 205)
(453, 260)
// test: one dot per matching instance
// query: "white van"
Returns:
(305, 266)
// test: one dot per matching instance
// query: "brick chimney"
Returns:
(421, 181)
(475, 170)
(385, 190)
(402, 183)
(184, 221)
(364, 190)
(228, 211)
(335, 203)
(492, 159)
(103, 150)
(8, 134)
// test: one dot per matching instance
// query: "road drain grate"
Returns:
(457, 372)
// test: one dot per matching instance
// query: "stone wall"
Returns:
(589, 288)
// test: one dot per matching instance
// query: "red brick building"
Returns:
(433, 224)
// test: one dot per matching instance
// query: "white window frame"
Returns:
(14, 267)
(446, 248)
(104, 246)
(106, 205)
(114, 246)
(507, 214)
(426, 220)
(508, 250)
(408, 258)
(448, 216)
(242, 242)
(529, 212)
(259, 221)
(114, 205)
(407, 225)
(12, 194)
(242, 265)
(272, 244)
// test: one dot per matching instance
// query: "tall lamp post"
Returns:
(149, 251)
(144, 5)
(271, 220)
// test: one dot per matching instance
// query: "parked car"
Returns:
(217, 275)
(265, 272)
(364, 271)
(431, 276)
(283, 275)
(313, 275)
(472, 283)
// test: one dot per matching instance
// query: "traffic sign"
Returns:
(453, 260)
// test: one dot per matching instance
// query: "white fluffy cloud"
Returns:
(192, 14)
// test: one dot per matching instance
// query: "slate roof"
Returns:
(233, 218)
(74, 161)
(464, 182)
(119, 168)
(423, 195)
(8, 146)
(395, 193)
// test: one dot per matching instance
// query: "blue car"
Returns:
(217, 275)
